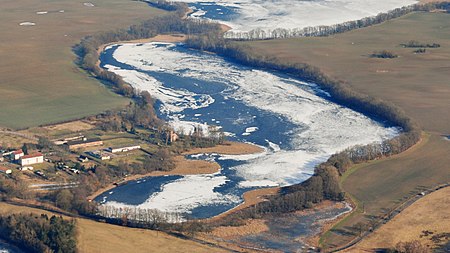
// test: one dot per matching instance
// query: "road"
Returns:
(389, 216)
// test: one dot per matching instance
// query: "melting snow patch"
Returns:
(27, 24)
(88, 4)
(41, 12)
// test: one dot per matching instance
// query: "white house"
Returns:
(31, 159)
(16, 155)
(5, 170)
(123, 149)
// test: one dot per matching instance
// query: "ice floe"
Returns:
(290, 14)
(322, 128)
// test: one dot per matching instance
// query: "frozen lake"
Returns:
(246, 15)
(7, 248)
(295, 122)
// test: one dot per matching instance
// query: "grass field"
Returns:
(380, 186)
(96, 237)
(39, 82)
(431, 213)
(418, 83)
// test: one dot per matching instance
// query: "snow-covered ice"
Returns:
(322, 127)
(185, 194)
(290, 14)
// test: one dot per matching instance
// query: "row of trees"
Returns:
(152, 219)
(10, 187)
(260, 34)
(324, 184)
(39, 234)
(417, 44)
(88, 49)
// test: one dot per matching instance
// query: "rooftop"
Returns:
(16, 152)
(32, 155)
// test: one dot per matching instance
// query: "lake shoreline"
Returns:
(184, 166)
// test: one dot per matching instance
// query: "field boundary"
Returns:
(390, 215)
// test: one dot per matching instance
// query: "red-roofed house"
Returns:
(16, 155)
(5, 170)
(31, 159)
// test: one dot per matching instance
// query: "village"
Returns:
(68, 150)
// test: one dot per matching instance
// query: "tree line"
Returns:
(88, 49)
(39, 233)
(324, 184)
(203, 35)
(278, 33)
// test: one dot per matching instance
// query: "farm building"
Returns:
(123, 149)
(84, 143)
(31, 159)
(5, 170)
(17, 154)
(83, 159)
(100, 155)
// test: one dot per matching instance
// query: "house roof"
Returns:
(4, 169)
(126, 146)
(16, 152)
(32, 156)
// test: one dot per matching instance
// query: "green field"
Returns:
(418, 83)
(39, 82)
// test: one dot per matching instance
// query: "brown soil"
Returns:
(184, 166)
(74, 126)
(431, 213)
(251, 227)
(228, 148)
(250, 198)
(99, 237)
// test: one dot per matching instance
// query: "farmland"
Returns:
(428, 214)
(39, 81)
(417, 83)
(101, 237)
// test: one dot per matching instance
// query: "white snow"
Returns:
(290, 14)
(41, 12)
(249, 130)
(89, 4)
(187, 127)
(27, 24)
(183, 195)
(323, 128)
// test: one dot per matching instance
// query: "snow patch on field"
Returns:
(27, 24)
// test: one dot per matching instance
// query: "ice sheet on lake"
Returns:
(290, 14)
(323, 128)
(185, 194)
(329, 127)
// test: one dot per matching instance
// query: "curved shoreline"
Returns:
(189, 167)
